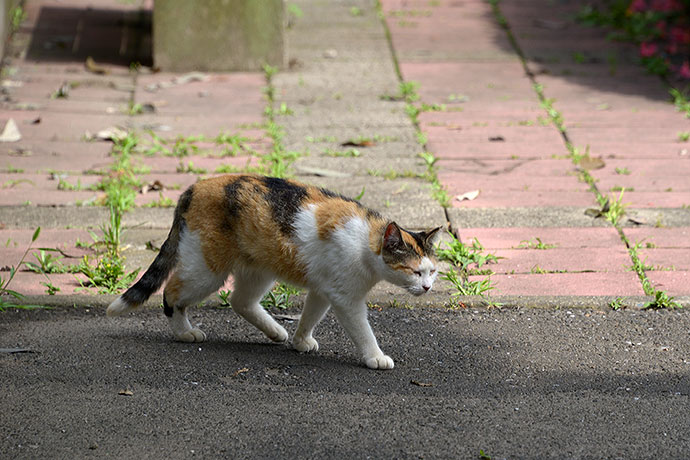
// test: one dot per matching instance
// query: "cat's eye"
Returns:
(433, 270)
(417, 272)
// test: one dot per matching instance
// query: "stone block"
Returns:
(218, 35)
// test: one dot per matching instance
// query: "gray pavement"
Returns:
(513, 383)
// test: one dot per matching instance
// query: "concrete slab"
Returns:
(520, 216)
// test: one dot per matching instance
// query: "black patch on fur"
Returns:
(419, 239)
(166, 259)
(285, 199)
(167, 309)
(370, 212)
(184, 201)
(232, 204)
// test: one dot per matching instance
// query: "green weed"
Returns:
(8, 297)
(279, 296)
(224, 296)
(535, 243)
(662, 300)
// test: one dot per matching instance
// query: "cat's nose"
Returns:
(426, 288)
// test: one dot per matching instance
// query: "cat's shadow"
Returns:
(253, 349)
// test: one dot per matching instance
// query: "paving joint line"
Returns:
(413, 120)
(545, 102)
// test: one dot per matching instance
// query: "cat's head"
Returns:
(410, 258)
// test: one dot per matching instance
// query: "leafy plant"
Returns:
(5, 291)
(224, 296)
(462, 255)
(617, 304)
(536, 243)
(45, 263)
(279, 296)
(108, 274)
(662, 300)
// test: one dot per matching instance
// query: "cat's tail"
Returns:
(159, 270)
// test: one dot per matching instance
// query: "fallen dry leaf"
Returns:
(240, 371)
(469, 196)
(156, 185)
(591, 163)
(11, 132)
(362, 143)
(421, 384)
(92, 67)
(125, 392)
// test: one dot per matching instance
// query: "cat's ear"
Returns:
(431, 236)
(392, 238)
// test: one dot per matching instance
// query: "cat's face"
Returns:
(409, 258)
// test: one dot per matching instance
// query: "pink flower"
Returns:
(679, 35)
(648, 49)
(637, 6)
(665, 6)
(684, 71)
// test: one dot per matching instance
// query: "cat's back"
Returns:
(271, 203)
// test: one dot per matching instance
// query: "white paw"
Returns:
(305, 345)
(379, 362)
(192, 335)
(279, 334)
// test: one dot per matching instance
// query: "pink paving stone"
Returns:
(576, 284)
(44, 198)
(28, 283)
(648, 150)
(477, 132)
(493, 150)
(674, 283)
(666, 258)
(585, 136)
(569, 260)
(171, 164)
(19, 239)
(513, 167)
(512, 238)
(582, 94)
(193, 124)
(613, 184)
(62, 127)
(643, 170)
(240, 92)
(33, 155)
(503, 85)
(677, 237)
(445, 31)
(667, 121)
(492, 198)
(654, 199)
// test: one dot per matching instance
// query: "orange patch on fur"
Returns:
(410, 241)
(249, 237)
(333, 213)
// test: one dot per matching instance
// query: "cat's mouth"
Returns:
(416, 290)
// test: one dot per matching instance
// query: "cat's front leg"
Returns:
(315, 308)
(353, 317)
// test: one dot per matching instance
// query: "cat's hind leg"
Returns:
(249, 286)
(315, 308)
(179, 294)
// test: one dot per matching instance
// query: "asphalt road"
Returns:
(511, 383)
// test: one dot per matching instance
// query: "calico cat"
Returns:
(260, 229)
